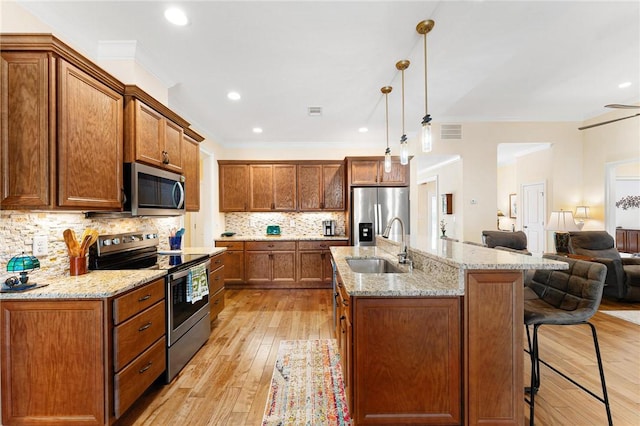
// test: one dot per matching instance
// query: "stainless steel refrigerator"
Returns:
(371, 210)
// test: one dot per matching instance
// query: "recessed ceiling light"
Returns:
(257, 130)
(176, 16)
(363, 130)
(624, 85)
(234, 96)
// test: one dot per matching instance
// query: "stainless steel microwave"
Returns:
(150, 191)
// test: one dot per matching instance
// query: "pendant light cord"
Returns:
(403, 102)
(426, 105)
(386, 101)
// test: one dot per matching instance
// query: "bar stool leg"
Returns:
(605, 396)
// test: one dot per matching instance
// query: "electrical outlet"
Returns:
(40, 245)
(474, 201)
(292, 223)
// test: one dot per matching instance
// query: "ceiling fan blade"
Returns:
(621, 106)
(607, 122)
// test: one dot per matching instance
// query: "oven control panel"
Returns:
(115, 243)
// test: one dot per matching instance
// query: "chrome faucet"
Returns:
(403, 255)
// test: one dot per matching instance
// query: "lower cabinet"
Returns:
(216, 286)
(278, 264)
(270, 264)
(107, 352)
(401, 358)
(628, 240)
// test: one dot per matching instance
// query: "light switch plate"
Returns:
(40, 245)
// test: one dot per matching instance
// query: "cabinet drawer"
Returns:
(136, 334)
(216, 304)
(320, 244)
(216, 280)
(231, 245)
(138, 300)
(131, 382)
(270, 245)
(217, 261)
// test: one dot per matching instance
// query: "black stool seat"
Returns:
(564, 297)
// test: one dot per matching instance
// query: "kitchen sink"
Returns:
(373, 265)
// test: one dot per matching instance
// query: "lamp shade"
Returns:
(561, 221)
(582, 212)
(23, 263)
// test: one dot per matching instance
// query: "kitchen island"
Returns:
(439, 344)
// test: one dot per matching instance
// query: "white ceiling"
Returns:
(487, 61)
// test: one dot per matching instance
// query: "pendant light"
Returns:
(387, 153)
(424, 27)
(404, 146)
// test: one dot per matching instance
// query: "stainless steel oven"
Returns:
(188, 325)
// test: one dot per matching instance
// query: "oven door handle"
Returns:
(184, 273)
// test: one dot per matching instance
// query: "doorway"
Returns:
(532, 220)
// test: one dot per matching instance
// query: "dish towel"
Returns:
(197, 285)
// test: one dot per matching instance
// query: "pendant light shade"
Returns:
(387, 153)
(424, 27)
(404, 146)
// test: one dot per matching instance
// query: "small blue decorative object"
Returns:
(23, 264)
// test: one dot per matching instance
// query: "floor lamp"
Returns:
(562, 223)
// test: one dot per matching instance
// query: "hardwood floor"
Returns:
(227, 382)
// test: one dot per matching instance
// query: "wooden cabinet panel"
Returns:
(311, 267)
(413, 376)
(628, 240)
(283, 264)
(369, 171)
(89, 141)
(52, 362)
(233, 262)
(132, 381)
(260, 187)
(148, 134)
(493, 336)
(234, 183)
(310, 186)
(173, 138)
(285, 196)
(270, 245)
(136, 334)
(129, 304)
(26, 157)
(270, 264)
(217, 304)
(258, 267)
(191, 172)
(333, 186)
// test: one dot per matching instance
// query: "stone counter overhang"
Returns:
(437, 272)
(99, 284)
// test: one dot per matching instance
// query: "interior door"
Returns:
(533, 216)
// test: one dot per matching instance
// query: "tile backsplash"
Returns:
(306, 224)
(17, 229)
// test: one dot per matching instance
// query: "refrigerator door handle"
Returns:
(379, 214)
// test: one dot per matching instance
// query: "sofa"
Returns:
(623, 273)
(505, 240)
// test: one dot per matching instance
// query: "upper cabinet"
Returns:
(153, 133)
(61, 128)
(272, 187)
(369, 171)
(191, 170)
(259, 186)
(321, 186)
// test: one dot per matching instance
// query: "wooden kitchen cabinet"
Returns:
(270, 264)
(233, 262)
(191, 172)
(314, 263)
(321, 187)
(272, 187)
(419, 368)
(216, 286)
(107, 352)
(344, 337)
(233, 181)
(369, 171)
(89, 141)
(151, 137)
(61, 128)
(628, 240)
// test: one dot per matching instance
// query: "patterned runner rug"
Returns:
(307, 386)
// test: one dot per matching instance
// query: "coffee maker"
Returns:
(329, 228)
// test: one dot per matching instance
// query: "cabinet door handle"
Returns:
(145, 368)
(142, 299)
(270, 246)
(165, 157)
(144, 327)
(344, 302)
(217, 278)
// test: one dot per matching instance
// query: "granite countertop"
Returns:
(288, 237)
(437, 272)
(92, 285)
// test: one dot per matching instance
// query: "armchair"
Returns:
(623, 274)
(504, 240)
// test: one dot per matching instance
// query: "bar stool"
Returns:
(567, 297)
